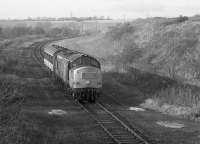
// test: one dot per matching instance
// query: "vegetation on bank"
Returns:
(11, 100)
(169, 48)
(45, 29)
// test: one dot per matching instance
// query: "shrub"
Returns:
(130, 53)
(54, 32)
(183, 95)
(181, 19)
(40, 29)
(117, 32)
(10, 106)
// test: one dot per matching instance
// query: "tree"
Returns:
(55, 32)
(38, 30)
(131, 52)
(1, 32)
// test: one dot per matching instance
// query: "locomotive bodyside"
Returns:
(48, 57)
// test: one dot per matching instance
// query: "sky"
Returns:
(83, 8)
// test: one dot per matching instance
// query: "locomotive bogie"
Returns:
(86, 94)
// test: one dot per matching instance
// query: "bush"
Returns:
(179, 100)
(117, 32)
(130, 53)
(54, 32)
(40, 29)
(1, 32)
(66, 31)
(10, 106)
(182, 19)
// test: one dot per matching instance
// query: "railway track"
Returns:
(36, 50)
(113, 126)
(118, 130)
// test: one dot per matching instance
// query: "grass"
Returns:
(183, 95)
(12, 93)
(10, 102)
(179, 100)
(27, 94)
(135, 87)
(168, 47)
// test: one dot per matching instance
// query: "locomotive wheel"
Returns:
(80, 101)
(92, 98)
(68, 92)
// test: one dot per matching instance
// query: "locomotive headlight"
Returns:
(99, 83)
(76, 83)
(87, 82)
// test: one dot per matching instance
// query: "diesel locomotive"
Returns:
(80, 72)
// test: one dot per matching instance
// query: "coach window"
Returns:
(77, 62)
(48, 57)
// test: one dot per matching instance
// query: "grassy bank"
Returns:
(152, 61)
(13, 85)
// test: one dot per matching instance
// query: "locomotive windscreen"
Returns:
(89, 75)
(85, 61)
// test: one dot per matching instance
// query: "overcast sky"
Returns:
(113, 8)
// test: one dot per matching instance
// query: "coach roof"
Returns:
(68, 54)
(51, 50)
(71, 56)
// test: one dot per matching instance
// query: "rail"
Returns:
(119, 131)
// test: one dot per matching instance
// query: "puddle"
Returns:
(170, 124)
(136, 109)
(57, 112)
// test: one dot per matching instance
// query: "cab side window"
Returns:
(90, 61)
(48, 57)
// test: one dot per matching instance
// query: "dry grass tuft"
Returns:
(180, 100)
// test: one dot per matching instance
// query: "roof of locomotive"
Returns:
(51, 50)
(76, 56)
(68, 54)
(71, 55)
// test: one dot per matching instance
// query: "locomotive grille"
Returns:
(89, 75)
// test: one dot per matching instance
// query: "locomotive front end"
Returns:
(86, 80)
(87, 77)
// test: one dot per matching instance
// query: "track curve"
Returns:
(118, 130)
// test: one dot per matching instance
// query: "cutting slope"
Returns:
(161, 46)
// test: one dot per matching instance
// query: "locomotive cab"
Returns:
(85, 78)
